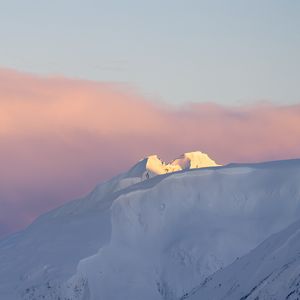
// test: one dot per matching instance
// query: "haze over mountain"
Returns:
(60, 136)
(163, 236)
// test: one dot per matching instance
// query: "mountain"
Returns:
(157, 238)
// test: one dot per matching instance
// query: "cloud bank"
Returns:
(59, 137)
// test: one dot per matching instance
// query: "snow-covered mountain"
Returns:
(142, 236)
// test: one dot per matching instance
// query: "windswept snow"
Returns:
(160, 238)
(271, 271)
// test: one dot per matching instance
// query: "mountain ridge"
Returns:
(181, 224)
(152, 165)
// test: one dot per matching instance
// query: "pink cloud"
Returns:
(59, 137)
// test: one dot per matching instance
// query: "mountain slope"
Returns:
(133, 238)
(168, 237)
(270, 271)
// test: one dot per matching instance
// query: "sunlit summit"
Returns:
(153, 165)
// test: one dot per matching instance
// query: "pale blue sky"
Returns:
(227, 52)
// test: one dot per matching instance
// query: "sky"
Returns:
(228, 52)
(87, 88)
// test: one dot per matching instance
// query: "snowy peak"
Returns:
(194, 160)
(153, 165)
